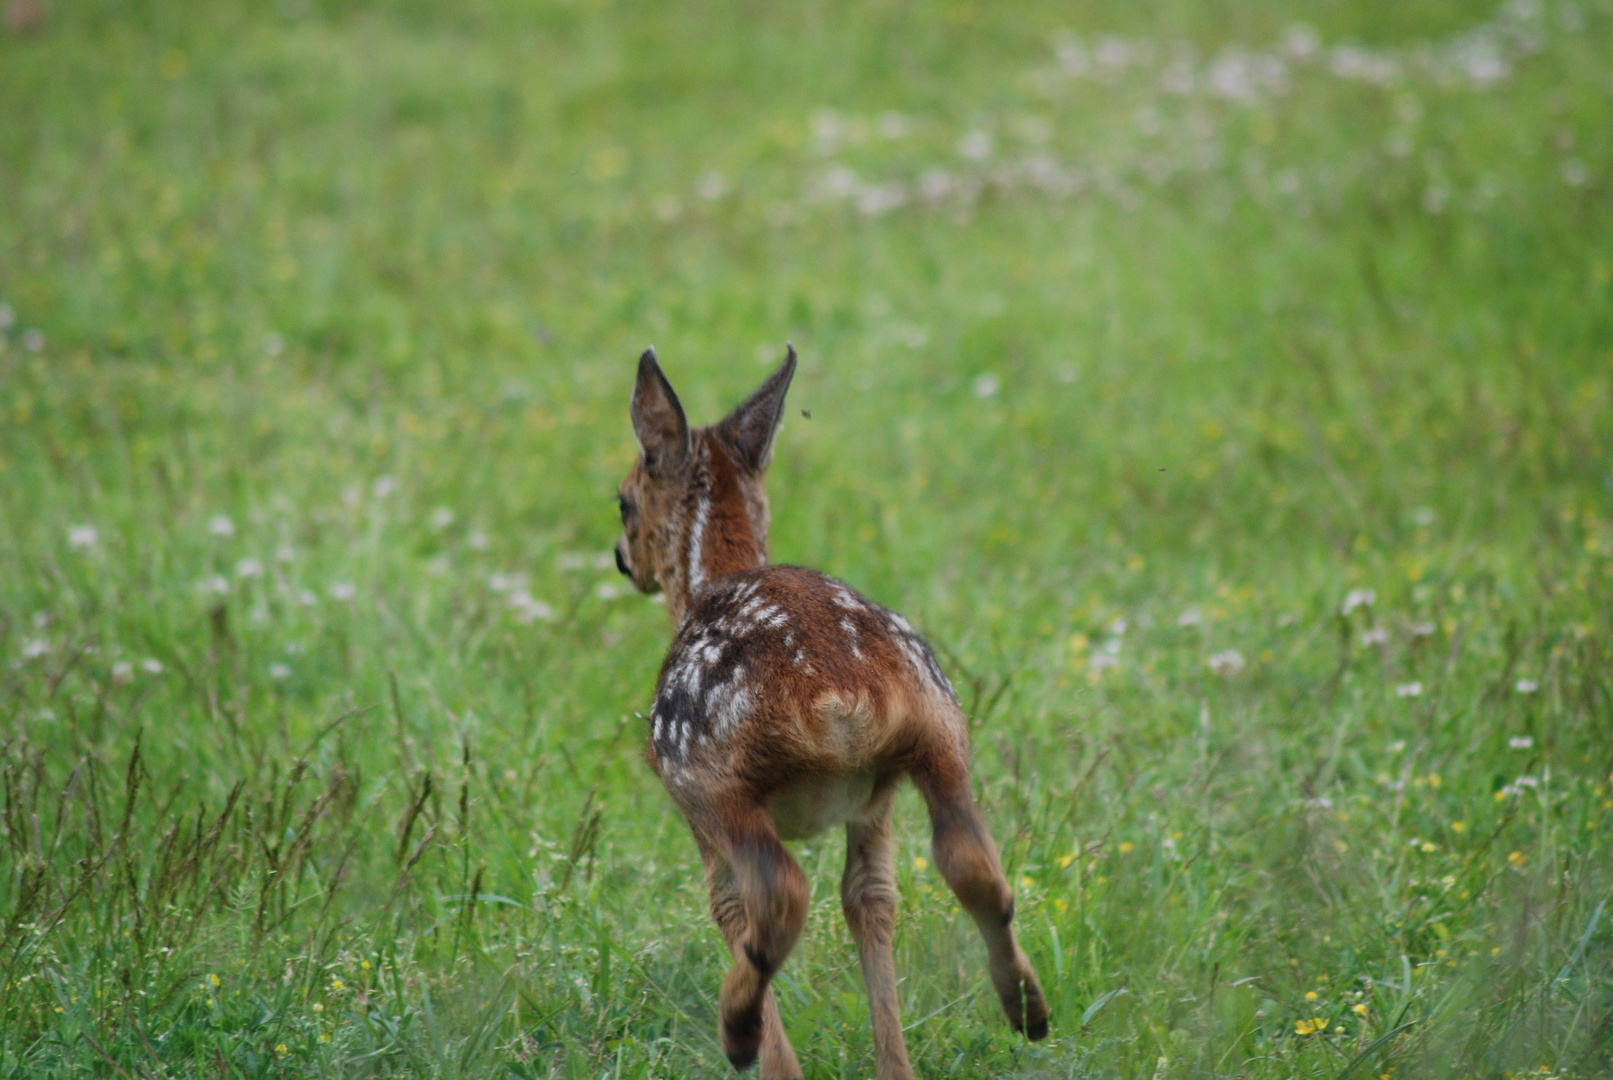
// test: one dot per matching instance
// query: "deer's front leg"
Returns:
(777, 1057)
(868, 897)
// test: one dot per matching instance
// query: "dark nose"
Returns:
(621, 563)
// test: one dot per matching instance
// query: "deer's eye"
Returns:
(625, 506)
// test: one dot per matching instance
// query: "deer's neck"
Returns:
(722, 535)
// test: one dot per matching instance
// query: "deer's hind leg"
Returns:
(759, 899)
(868, 897)
(967, 858)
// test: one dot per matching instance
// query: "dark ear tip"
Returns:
(647, 359)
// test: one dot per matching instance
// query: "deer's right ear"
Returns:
(658, 420)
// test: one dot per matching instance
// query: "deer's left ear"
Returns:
(750, 428)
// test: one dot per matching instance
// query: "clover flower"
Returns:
(1358, 598)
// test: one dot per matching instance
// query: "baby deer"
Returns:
(787, 704)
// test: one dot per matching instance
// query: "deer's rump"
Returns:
(784, 671)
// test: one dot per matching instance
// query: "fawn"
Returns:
(787, 704)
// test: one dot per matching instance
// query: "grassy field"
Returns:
(1225, 389)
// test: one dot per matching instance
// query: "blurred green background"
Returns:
(1226, 389)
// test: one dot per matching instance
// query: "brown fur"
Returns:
(789, 703)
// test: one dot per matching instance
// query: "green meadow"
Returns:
(1225, 389)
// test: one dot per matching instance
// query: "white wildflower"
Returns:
(1526, 686)
(343, 591)
(936, 185)
(442, 517)
(221, 526)
(1527, 782)
(607, 590)
(218, 583)
(501, 582)
(1521, 742)
(384, 486)
(1301, 42)
(1358, 598)
(80, 537)
(1410, 689)
(1072, 56)
(477, 540)
(1397, 746)
(528, 609)
(1226, 663)
(33, 340)
(248, 568)
(122, 672)
(306, 597)
(279, 672)
(1113, 54)
(1376, 636)
(34, 648)
(975, 146)
(1190, 617)
(151, 666)
(874, 200)
(273, 344)
(1100, 662)
(713, 186)
(986, 386)
(284, 553)
(1422, 629)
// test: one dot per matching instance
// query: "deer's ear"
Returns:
(749, 429)
(658, 420)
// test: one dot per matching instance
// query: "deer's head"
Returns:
(693, 507)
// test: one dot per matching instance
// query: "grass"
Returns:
(1126, 352)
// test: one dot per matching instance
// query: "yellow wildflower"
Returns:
(1310, 995)
(1516, 858)
(1359, 1010)
(920, 862)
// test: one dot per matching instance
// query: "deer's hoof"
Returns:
(742, 1039)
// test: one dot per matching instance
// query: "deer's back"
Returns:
(783, 673)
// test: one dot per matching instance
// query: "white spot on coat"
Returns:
(697, 536)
